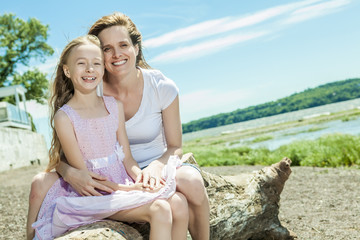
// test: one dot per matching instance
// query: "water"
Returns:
(305, 133)
(285, 136)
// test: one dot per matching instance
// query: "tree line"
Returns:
(324, 94)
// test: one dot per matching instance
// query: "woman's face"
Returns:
(119, 52)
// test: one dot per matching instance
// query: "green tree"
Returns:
(21, 41)
(35, 82)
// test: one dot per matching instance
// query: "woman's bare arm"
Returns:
(173, 136)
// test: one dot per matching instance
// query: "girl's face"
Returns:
(119, 52)
(85, 67)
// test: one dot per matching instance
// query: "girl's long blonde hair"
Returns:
(62, 90)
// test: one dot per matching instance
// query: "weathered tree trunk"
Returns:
(247, 208)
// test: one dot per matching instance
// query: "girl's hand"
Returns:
(139, 187)
(84, 182)
(150, 177)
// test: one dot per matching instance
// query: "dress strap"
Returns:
(112, 107)
(69, 112)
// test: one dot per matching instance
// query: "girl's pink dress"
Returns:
(64, 209)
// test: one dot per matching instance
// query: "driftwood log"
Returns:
(245, 207)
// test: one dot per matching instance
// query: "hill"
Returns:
(324, 94)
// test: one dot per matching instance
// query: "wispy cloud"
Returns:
(286, 14)
(222, 25)
(205, 48)
(316, 10)
(189, 33)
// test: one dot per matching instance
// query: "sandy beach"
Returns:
(316, 203)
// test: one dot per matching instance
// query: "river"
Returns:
(285, 136)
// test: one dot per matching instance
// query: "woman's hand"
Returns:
(84, 182)
(150, 177)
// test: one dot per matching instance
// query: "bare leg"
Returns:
(40, 185)
(190, 183)
(180, 215)
(157, 213)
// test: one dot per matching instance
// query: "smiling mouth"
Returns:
(119, 63)
(89, 78)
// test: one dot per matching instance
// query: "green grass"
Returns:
(348, 118)
(262, 138)
(333, 150)
(312, 129)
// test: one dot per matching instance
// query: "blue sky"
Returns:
(223, 55)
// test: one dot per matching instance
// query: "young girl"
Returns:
(90, 132)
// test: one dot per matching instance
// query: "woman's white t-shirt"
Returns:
(145, 129)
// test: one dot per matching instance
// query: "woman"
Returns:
(153, 125)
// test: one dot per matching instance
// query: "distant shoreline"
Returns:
(307, 116)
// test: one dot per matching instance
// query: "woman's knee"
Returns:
(190, 182)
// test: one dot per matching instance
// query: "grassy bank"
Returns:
(331, 150)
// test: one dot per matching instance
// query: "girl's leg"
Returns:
(40, 185)
(190, 183)
(180, 216)
(157, 213)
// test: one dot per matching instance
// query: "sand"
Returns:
(316, 203)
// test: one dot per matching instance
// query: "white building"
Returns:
(19, 146)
